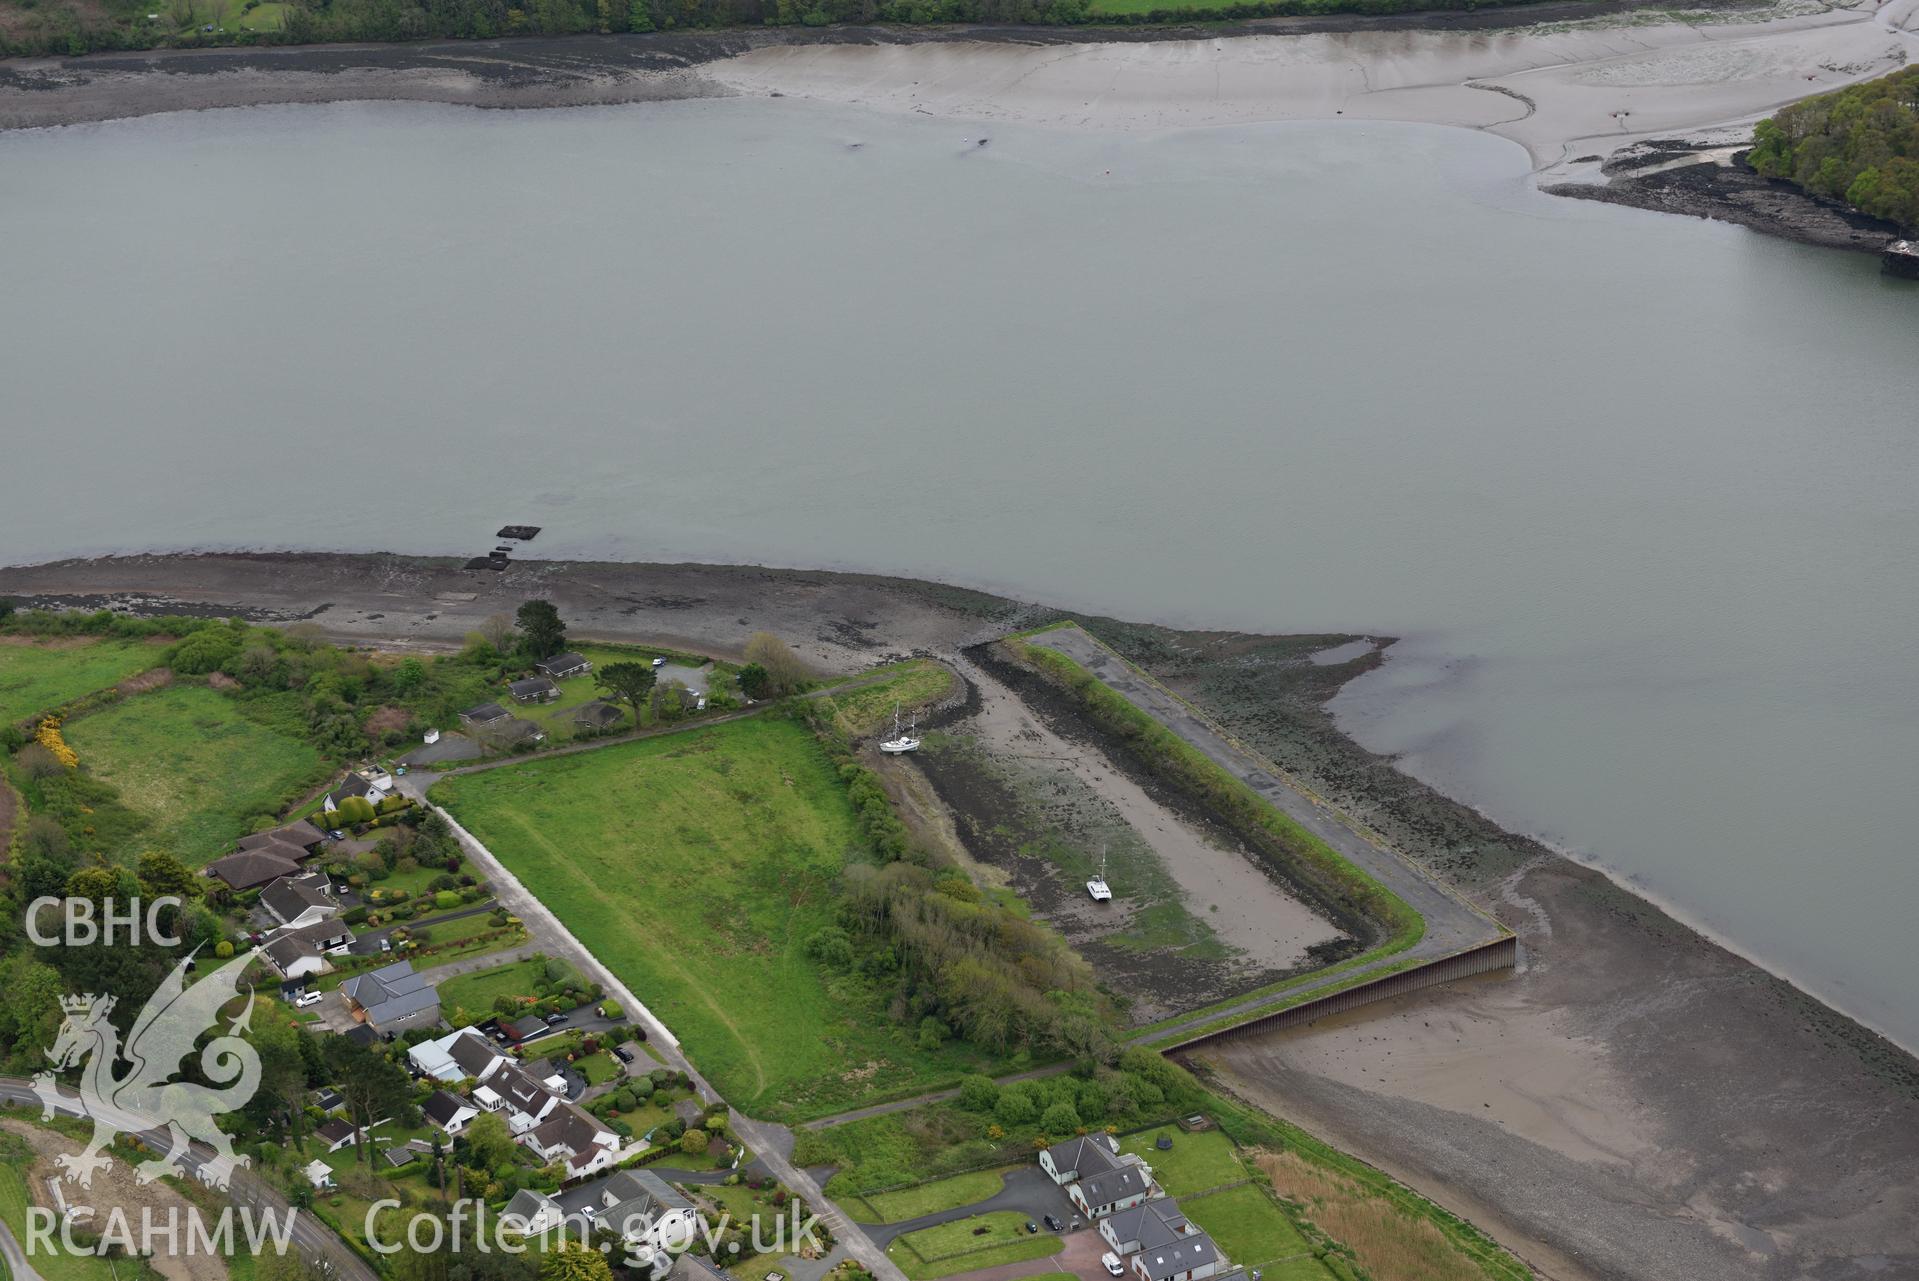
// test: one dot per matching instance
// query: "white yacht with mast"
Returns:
(1097, 887)
(903, 740)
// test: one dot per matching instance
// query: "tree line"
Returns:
(65, 28)
(1859, 145)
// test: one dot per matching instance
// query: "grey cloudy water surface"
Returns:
(1637, 491)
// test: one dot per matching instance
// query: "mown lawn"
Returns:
(37, 678)
(476, 992)
(940, 1194)
(186, 758)
(697, 865)
(1249, 1228)
(964, 1245)
(1195, 1162)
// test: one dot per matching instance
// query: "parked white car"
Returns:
(309, 998)
(1111, 1263)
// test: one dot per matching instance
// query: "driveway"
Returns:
(369, 943)
(1025, 1190)
(474, 964)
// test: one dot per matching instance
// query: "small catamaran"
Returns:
(903, 740)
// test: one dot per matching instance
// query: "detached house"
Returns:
(337, 1134)
(371, 785)
(305, 899)
(572, 1139)
(262, 865)
(484, 714)
(649, 1216)
(449, 1111)
(561, 666)
(300, 834)
(464, 1055)
(301, 951)
(531, 1212)
(524, 1101)
(534, 689)
(392, 999)
(1098, 1179)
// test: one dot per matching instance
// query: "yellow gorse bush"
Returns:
(49, 737)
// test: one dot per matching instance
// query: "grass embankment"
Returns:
(697, 866)
(41, 676)
(910, 686)
(965, 1245)
(1195, 1163)
(199, 770)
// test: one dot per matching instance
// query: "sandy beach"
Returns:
(1563, 91)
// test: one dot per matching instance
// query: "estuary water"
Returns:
(1637, 492)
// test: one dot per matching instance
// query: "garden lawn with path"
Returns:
(197, 769)
(38, 677)
(696, 866)
(1195, 1162)
(966, 1245)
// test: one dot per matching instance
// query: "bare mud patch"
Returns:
(1193, 918)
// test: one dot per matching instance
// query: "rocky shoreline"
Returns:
(1635, 1102)
(1705, 179)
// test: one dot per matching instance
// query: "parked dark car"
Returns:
(1054, 1224)
(1032, 1226)
(554, 1020)
(623, 1054)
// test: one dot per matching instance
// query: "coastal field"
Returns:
(697, 866)
(38, 676)
(199, 771)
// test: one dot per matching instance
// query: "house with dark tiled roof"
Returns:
(484, 714)
(524, 1101)
(448, 1111)
(299, 833)
(561, 666)
(1110, 1191)
(1190, 1258)
(300, 900)
(1147, 1226)
(534, 689)
(250, 868)
(336, 1134)
(571, 1138)
(300, 951)
(462, 1055)
(647, 1213)
(597, 715)
(1089, 1154)
(531, 1212)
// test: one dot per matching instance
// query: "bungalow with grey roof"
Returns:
(647, 1213)
(261, 865)
(371, 785)
(461, 1055)
(1110, 1191)
(534, 689)
(300, 951)
(299, 832)
(597, 715)
(1075, 1158)
(484, 714)
(561, 666)
(572, 1138)
(336, 1134)
(392, 999)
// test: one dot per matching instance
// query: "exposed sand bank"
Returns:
(1561, 91)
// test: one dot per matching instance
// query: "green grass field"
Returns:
(1251, 1230)
(1195, 1162)
(186, 758)
(476, 992)
(697, 865)
(961, 1246)
(940, 1194)
(53, 1267)
(37, 678)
